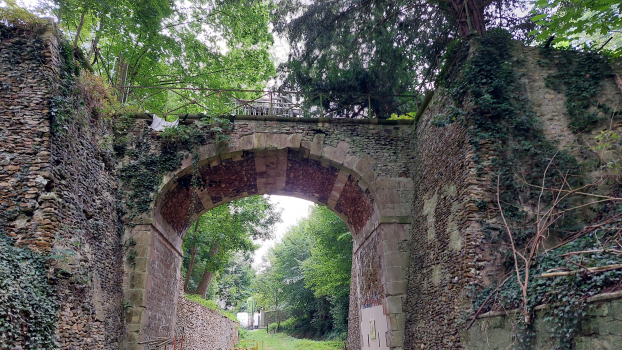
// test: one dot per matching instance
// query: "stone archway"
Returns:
(356, 168)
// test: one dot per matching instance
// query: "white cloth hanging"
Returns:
(160, 124)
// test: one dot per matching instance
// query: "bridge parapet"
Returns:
(180, 101)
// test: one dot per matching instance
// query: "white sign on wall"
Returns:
(374, 328)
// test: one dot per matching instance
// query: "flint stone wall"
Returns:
(449, 253)
(57, 192)
(203, 328)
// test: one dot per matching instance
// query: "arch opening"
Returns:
(288, 172)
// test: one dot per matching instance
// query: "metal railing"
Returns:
(178, 101)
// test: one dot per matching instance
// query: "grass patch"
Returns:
(210, 304)
(281, 341)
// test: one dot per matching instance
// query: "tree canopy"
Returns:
(220, 44)
(598, 21)
(223, 231)
(379, 46)
(307, 275)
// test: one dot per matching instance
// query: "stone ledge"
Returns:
(594, 299)
(370, 121)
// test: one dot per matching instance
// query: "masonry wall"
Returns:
(358, 168)
(600, 328)
(450, 257)
(203, 328)
(57, 191)
(445, 227)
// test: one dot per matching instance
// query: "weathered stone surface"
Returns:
(57, 192)
(203, 328)
(601, 329)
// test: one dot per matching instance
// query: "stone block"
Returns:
(141, 264)
(394, 273)
(397, 287)
(138, 280)
(142, 236)
(316, 146)
(395, 339)
(337, 154)
(340, 182)
(350, 161)
(397, 321)
(248, 142)
(136, 297)
(215, 161)
(259, 141)
(390, 246)
(394, 304)
(142, 250)
(294, 141)
(365, 165)
(394, 231)
(395, 259)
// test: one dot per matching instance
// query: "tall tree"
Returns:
(308, 274)
(327, 270)
(270, 291)
(382, 47)
(575, 19)
(198, 44)
(225, 230)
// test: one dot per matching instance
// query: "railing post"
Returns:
(321, 107)
(368, 106)
(271, 103)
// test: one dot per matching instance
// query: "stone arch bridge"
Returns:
(415, 198)
(360, 169)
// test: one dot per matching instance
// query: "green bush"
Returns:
(244, 334)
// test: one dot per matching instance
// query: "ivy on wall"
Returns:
(579, 76)
(28, 306)
(507, 136)
(503, 124)
(144, 173)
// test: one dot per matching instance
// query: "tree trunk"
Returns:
(207, 275)
(276, 310)
(469, 15)
(204, 284)
(189, 273)
(75, 41)
(194, 250)
(61, 5)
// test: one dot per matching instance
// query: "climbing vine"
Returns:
(579, 76)
(503, 124)
(144, 173)
(28, 306)
(479, 76)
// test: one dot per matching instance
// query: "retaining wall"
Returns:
(203, 328)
